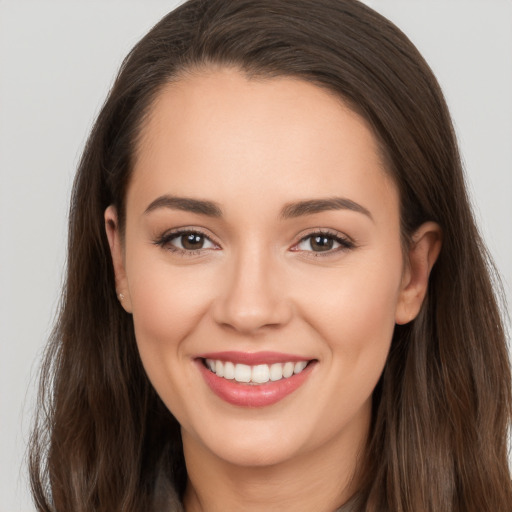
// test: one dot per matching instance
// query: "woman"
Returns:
(277, 298)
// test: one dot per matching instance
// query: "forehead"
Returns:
(218, 131)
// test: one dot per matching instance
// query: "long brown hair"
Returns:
(442, 408)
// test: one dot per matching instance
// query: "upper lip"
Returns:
(254, 358)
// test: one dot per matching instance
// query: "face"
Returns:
(262, 264)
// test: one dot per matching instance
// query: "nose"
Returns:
(252, 296)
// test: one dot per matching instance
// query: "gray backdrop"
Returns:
(57, 60)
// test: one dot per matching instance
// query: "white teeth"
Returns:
(229, 370)
(258, 374)
(299, 366)
(288, 370)
(276, 372)
(219, 368)
(242, 373)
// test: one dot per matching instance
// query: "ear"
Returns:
(422, 254)
(116, 251)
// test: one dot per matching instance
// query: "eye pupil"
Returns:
(192, 241)
(321, 243)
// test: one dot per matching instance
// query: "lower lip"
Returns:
(253, 395)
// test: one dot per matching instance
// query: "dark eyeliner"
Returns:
(164, 240)
(345, 242)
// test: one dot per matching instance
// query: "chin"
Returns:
(246, 454)
(252, 445)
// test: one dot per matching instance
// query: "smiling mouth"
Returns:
(258, 379)
(255, 374)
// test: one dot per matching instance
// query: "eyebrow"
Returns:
(312, 206)
(289, 211)
(186, 204)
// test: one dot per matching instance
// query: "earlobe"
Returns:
(423, 253)
(116, 252)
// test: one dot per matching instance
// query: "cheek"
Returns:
(355, 316)
(167, 305)
(167, 302)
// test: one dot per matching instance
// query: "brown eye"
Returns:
(186, 242)
(321, 243)
(191, 241)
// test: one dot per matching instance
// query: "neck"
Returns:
(321, 480)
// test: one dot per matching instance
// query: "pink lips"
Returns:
(250, 395)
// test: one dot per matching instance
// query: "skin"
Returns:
(253, 147)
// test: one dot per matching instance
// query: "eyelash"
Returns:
(165, 240)
(344, 242)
